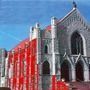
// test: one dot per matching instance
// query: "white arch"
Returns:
(72, 76)
(84, 44)
(83, 63)
(85, 69)
(70, 67)
(69, 61)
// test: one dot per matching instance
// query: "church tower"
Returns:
(55, 48)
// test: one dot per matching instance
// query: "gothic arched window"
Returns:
(76, 43)
(46, 49)
(46, 68)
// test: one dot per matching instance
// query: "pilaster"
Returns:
(53, 34)
(86, 75)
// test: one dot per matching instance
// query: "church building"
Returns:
(62, 49)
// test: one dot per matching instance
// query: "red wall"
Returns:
(25, 69)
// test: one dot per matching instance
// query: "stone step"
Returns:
(80, 86)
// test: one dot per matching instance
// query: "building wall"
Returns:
(72, 23)
(3, 55)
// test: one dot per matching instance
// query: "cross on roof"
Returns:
(74, 4)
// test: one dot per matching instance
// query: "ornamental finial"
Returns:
(74, 4)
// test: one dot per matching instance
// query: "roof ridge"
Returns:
(20, 43)
(67, 15)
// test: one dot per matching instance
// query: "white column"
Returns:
(38, 36)
(86, 74)
(2, 75)
(53, 32)
(30, 33)
(6, 71)
(73, 75)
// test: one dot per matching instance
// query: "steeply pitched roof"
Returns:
(67, 15)
(48, 28)
(21, 44)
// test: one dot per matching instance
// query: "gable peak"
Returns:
(74, 4)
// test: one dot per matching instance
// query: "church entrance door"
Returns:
(65, 71)
(79, 72)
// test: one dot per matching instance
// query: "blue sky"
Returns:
(16, 16)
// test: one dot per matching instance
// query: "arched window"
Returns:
(76, 43)
(46, 49)
(46, 68)
(5, 53)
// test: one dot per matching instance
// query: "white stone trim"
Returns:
(84, 44)
(67, 15)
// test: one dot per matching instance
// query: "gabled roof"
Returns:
(67, 15)
(21, 44)
(75, 10)
(48, 28)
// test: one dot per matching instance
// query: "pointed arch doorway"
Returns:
(79, 71)
(65, 70)
(46, 75)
